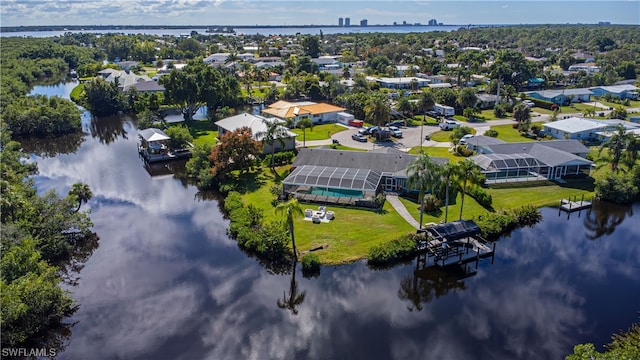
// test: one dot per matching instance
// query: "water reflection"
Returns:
(604, 217)
(295, 298)
(50, 147)
(110, 128)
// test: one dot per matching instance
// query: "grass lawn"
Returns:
(539, 193)
(489, 115)
(319, 132)
(471, 209)
(202, 131)
(348, 237)
(417, 119)
(441, 136)
(509, 134)
(436, 151)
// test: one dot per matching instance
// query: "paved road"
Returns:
(414, 135)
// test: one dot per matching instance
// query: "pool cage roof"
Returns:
(334, 177)
(503, 162)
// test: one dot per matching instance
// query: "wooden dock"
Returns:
(569, 206)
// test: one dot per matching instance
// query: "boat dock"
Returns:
(568, 205)
(456, 242)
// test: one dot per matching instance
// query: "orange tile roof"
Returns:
(284, 109)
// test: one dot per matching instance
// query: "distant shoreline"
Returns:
(205, 27)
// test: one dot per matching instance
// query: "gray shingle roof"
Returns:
(570, 146)
(482, 140)
(380, 162)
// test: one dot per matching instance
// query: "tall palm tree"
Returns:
(449, 171)
(632, 149)
(615, 145)
(291, 209)
(422, 175)
(274, 132)
(232, 57)
(81, 193)
(305, 124)
(377, 112)
(294, 299)
(468, 172)
(426, 102)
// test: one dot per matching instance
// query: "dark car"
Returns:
(395, 123)
(359, 137)
(365, 130)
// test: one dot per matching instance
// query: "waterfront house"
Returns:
(258, 126)
(533, 160)
(126, 79)
(339, 176)
(399, 82)
(574, 128)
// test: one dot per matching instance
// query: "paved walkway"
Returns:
(399, 207)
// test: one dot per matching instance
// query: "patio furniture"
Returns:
(308, 213)
(315, 219)
(329, 215)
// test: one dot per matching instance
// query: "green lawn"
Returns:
(202, 131)
(441, 136)
(489, 115)
(417, 119)
(509, 134)
(348, 237)
(538, 194)
(509, 196)
(436, 151)
(319, 132)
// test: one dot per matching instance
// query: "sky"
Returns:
(305, 12)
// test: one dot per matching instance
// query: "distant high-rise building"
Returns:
(363, 22)
(347, 22)
(340, 22)
(433, 22)
(404, 23)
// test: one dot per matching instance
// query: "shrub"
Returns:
(431, 202)
(500, 111)
(494, 225)
(491, 133)
(616, 188)
(396, 250)
(310, 264)
(483, 198)
(463, 151)
(280, 158)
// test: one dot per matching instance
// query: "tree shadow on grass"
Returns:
(247, 182)
(586, 184)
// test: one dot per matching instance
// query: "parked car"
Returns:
(365, 130)
(359, 137)
(433, 114)
(395, 123)
(374, 130)
(528, 103)
(464, 139)
(449, 124)
(395, 132)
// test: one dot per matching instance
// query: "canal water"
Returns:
(166, 282)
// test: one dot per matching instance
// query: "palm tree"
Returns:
(233, 57)
(377, 112)
(615, 145)
(448, 171)
(294, 299)
(274, 132)
(305, 124)
(468, 171)
(426, 102)
(290, 209)
(631, 152)
(81, 193)
(422, 175)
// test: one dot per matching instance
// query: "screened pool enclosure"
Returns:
(326, 184)
(510, 166)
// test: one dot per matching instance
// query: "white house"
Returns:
(399, 82)
(575, 128)
(258, 126)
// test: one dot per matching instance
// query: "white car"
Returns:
(528, 103)
(449, 124)
(464, 139)
(395, 132)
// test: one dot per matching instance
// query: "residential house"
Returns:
(588, 67)
(533, 161)
(481, 143)
(318, 112)
(627, 91)
(127, 65)
(399, 82)
(124, 79)
(258, 126)
(486, 101)
(575, 128)
(404, 70)
(562, 97)
(339, 176)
